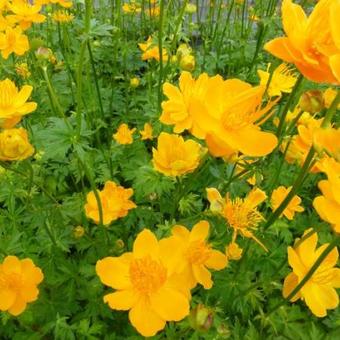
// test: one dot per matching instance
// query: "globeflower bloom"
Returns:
(25, 13)
(13, 41)
(319, 291)
(19, 280)
(146, 133)
(62, 16)
(145, 285)
(124, 134)
(151, 51)
(14, 145)
(194, 254)
(13, 103)
(174, 156)
(311, 43)
(283, 80)
(278, 195)
(242, 214)
(114, 200)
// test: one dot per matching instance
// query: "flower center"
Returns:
(147, 275)
(240, 216)
(198, 252)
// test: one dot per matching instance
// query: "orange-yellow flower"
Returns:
(233, 251)
(278, 195)
(151, 51)
(62, 3)
(114, 200)
(13, 41)
(328, 205)
(146, 133)
(62, 16)
(318, 292)
(311, 43)
(194, 254)
(174, 156)
(145, 285)
(13, 103)
(283, 80)
(328, 140)
(124, 134)
(18, 284)
(14, 145)
(131, 8)
(25, 13)
(242, 214)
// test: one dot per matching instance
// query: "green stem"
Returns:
(331, 111)
(160, 47)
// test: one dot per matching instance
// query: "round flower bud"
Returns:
(187, 63)
(190, 8)
(134, 82)
(78, 231)
(14, 145)
(201, 318)
(312, 101)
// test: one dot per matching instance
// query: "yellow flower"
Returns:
(328, 140)
(145, 285)
(174, 156)
(124, 134)
(14, 145)
(194, 255)
(62, 16)
(153, 11)
(283, 80)
(233, 251)
(13, 41)
(146, 133)
(318, 292)
(215, 199)
(25, 13)
(22, 70)
(151, 51)
(78, 231)
(187, 63)
(13, 103)
(278, 195)
(18, 284)
(62, 3)
(131, 8)
(190, 8)
(114, 200)
(328, 97)
(311, 43)
(134, 82)
(242, 214)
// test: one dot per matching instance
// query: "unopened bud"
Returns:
(312, 101)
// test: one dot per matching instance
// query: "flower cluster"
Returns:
(154, 281)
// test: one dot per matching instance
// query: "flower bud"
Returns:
(312, 101)
(134, 82)
(44, 53)
(233, 251)
(187, 63)
(183, 50)
(119, 244)
(190, 9)
(14, 145)
(78, 231)
(201, 318)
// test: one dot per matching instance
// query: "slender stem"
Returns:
(331, 111)
(160, 47)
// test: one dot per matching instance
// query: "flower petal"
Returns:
(203, 276)
(217, 260)
(290, 282)
(121, 300)
(200, 231)
(7, 298)
(146, 243)
(17, 307)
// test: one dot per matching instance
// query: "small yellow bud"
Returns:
(190, 8)
(134, 82)
(312, 101)
(234, 251)
(78, 231)
(187, 63)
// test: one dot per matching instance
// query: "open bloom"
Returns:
(278, 195)
(319, 291)
(18, 284)
(62, 16)
(145, 285)
(14, 145)
(242, 214)
(283, 80)
(311, 43)
(174, 156)
(328, 205)
(194, 254)
(151, 51)
(124, 134)
(25, 13)
(146, 133)
(13, 41)
(13, 103)
(115, 203)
